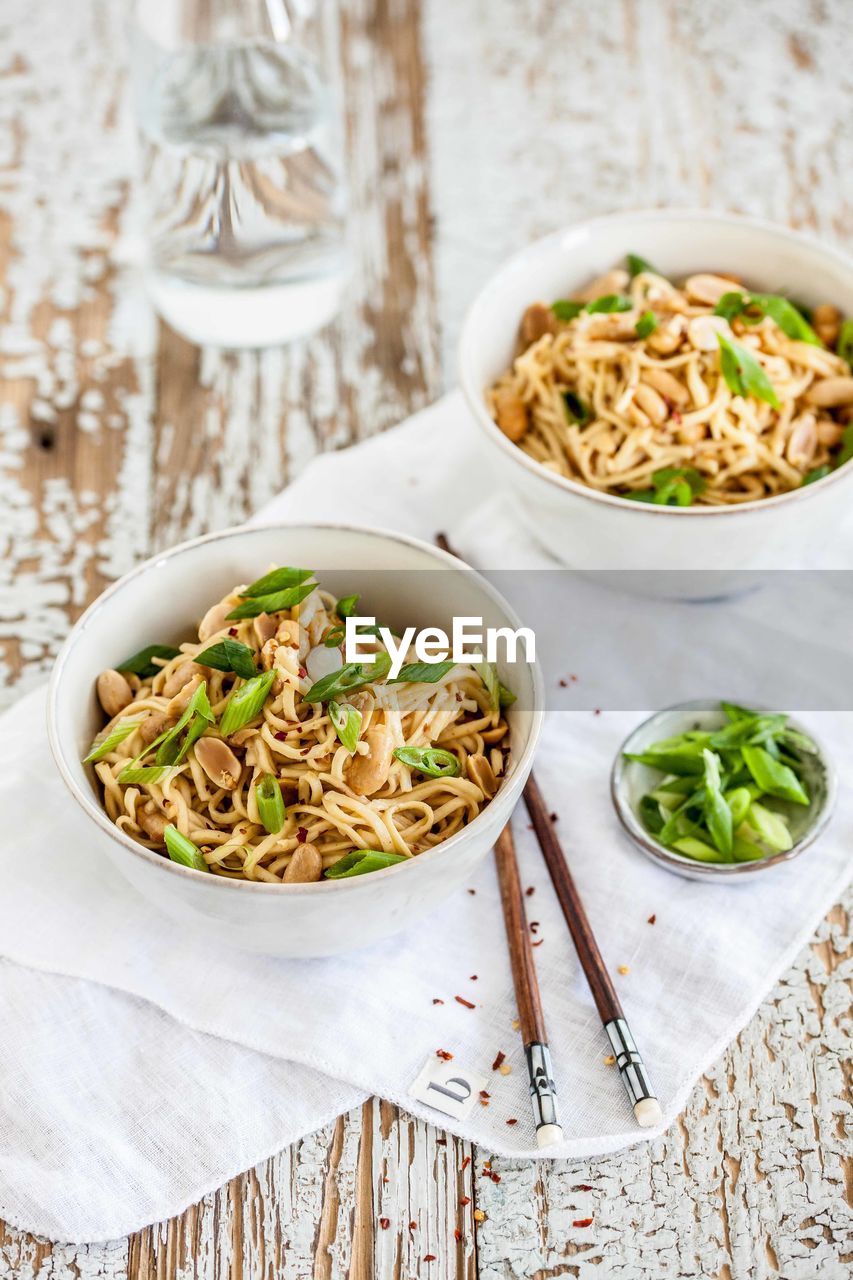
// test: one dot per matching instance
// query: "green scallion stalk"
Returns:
(229, 655)
(181, 849)
(106, 742)
(145, 774)
(274, 602)
(435, 762)
(245, 703)
(140, 664)
(346, 721)
(270, 802)
(422, 672)
(348, 678)
(743, 374)
(277, 580)
(360, 862)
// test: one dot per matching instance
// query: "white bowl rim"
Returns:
(225, 883)
(681, 863)
(475, 398)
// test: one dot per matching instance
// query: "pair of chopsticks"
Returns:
(644, 1102)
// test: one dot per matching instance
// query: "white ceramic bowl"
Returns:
(630, 781)
(587, 529)
(162, 600)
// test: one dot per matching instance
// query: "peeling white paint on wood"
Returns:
(117, 437)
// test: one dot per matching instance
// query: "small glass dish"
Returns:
(630, 781)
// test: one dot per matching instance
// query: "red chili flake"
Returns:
(457, 1234)
(232, 631)
(303, 674)
(473, 978)
(465, 1200)
(583, 1186)
(441, 1142)
(467, 1003)
(538, 942)
(280, 735)
(582, 1222)
(675, 415)
(443, 1054)
(302, 834)
(495, 1177)
(498, 1060)
(429, 1257)
(472, 892)
(412, 1225)
(512, 1121)
(487, 1164)
(597, 711)
(534, 927)
(555, 817)
(563, 684)
(436, 1000)
(530, 890)
(651, 918)
(384, 1223)
(484, 1093)
(466, 1162)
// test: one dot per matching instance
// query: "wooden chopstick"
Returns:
(543, 1094)
(632, 1069)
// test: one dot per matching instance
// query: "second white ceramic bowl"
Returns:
(586, 529)
(162, 600)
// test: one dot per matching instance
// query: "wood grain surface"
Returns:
(472, 126)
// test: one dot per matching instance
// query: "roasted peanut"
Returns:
(826, 322)
(367, 773)
(288, 633)
(218, 761)
(153, 725)
(702, 332)
(510, 414)
(181, 676)
(651, 403)
(831, 393)
(667, 336)
(802, 442)
(305, 866)
(216, 618)
(708, 289)
(482, 775)
(264, 627)
(668, 386)
(616, 326)
(152, 821)
(114, 693)
(177, 705)
(612, 282)
(536, 322)
(829, 432)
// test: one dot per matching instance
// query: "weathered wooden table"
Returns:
(473, 125)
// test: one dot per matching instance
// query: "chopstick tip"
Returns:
(648, 1113)
(548, 1135)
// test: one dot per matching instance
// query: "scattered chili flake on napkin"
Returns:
(443, 1054)
(466, 1162)
(530, 890)
(652, 918)
(467, 1003)
(582, 1222)
(501, 1057)
(436, 1000)
(465, 1200)
(512, 1120)
(384, 1223)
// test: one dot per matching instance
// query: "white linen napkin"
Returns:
(116, 1058)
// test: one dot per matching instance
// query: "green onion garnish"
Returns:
(360, 862)
(577, 410)
(637, 265)
(351, 676)
(145, 774)
(435, 762)
(270, 803)
(141, 663)
(245, 703)
(646, 324)
(566, 309)
(844, 345)
(742, 372)
(277, 580)
(346, 721)
(182, 850)
(489, 675)
(198, 715)
(345, 607)
(275, 602)
(609, 303)
(816, 473)
(753, 307)
(845, 453)
(422, 672)
(107, 741)
(229, 655)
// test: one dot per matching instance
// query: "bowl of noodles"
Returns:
(669, 390)
(248, 778)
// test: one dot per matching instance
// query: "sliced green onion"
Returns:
(270, 803)
(577, 410)
(360, 862)
(844, 345)
(229, 655)
(753, 307)
(699, 850)
(743, 374)
(107, 741)
(349, 677)
(816, 473)
(198, 708)
(335, 637)
(345, 607)
(772, 776)
(646, 324)
(245, 703)
(141, 663)
(346, 721)
(422, 672)
(637, 265)
(275, 602)
(182, 850)
(566, 309)
(506, 697)
(435, 762)
(771, 827)
(845, 453)
(277, 580)
(608, 303)
(489, 675)
(145, 773)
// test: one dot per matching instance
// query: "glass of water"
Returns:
(238, 110)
